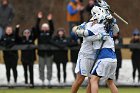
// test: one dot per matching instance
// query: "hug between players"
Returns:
(45, 34)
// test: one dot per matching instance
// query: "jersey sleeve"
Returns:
(88, 32)
(93, 38)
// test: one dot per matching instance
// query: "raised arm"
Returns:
(36, 27)
(51, 24)
(17, 30)
(17, 36)
(39, 17)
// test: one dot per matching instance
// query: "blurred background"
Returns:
(26, 11)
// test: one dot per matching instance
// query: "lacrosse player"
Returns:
(86, 54)
(85, 60)
(106, 63)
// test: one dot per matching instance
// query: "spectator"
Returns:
(89, 6)
(44, 35)
(135, 54)
(10, 56)
(73, 13)
(118, 41)
(6, 15)
(80, 4)
(27, 56)
(60, 56)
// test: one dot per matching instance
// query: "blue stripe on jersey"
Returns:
(80, 67)
(111, 33)
(106, 53)
(90, 33)
(94, 70)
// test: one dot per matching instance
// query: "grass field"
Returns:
(66, 90)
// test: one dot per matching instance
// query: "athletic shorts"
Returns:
(104, 69)
(84, 65)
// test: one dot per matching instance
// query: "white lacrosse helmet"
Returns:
(98, 13)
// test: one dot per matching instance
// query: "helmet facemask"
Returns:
(98, 14)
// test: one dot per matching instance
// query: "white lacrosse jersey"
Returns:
(108, 51)
(87, 46)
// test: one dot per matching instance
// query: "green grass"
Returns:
(66, 90)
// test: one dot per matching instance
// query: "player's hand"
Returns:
(40, 15)
(78, 31)
(103, 36)
(109, 16)
(49, 17)
(74, 29)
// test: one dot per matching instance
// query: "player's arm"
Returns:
(89, 35)
(98, 36)
(81, 30)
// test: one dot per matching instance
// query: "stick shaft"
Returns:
(119, 17)
(99, 1)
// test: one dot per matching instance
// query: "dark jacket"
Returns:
(61, 54)
(73, 44)
(6, 15)
(88, 8)
(8, 41)
(44, 38)
(135, 52)
(29, 54)
(118, 41)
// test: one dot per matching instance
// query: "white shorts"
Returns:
(84, 65)
(104, 69)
